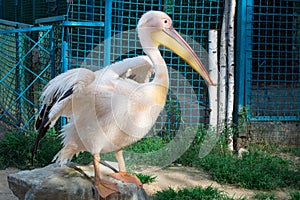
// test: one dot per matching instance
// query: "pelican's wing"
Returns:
(138, 68)
(57, 95)
(59, 91)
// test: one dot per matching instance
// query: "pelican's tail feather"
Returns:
(66, 154)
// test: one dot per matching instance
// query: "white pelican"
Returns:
(108, 112)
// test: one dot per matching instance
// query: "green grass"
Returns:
(147, 145)
(16, 148)
(144, 178)
(295, 195)
(264, 196)
(192, 193)
(254, 171)
(260, 169)
(292, 150)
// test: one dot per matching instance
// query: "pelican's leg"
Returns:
(122, 175)
(105, 188)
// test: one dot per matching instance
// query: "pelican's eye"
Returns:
(166, 23)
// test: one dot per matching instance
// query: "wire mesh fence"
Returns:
(270, 65)
(275, 59)
(87, 46)
(25, 69)
(82, 32)
(93, 34)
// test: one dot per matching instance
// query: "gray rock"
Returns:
(67, 182)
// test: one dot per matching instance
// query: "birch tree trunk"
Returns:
(214, 75)
(223, 70)
(230, 72)
(212, 137)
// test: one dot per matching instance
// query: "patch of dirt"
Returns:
(5, 192)
(175, 177)
(182, 177)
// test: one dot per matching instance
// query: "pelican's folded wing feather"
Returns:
(59, 91)
(56, 97)
(138, 68)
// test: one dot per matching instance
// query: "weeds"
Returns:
(192, 193)
(16, 149)
(147, 145)
(144, 178)
(259, 169)
(264, 196)
(254, 171)
(295, 195)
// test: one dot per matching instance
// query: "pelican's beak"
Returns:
(170, 38)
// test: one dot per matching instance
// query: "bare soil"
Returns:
(182, 177)
(175, 177)
(5, 192)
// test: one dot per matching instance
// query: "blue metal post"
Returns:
(240, 58)
(107, 31)
(248, 51)
(65, 65)
(243, 44)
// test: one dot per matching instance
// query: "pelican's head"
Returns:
(155, 28)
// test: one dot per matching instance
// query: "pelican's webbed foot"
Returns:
(127, 178)
(106, 188)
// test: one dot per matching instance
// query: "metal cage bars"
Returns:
(268, 59)
(23, 71)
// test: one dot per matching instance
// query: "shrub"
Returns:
(16, 149)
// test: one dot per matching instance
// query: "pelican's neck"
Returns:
(161, 71)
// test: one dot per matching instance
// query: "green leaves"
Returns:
(16, 148)
(146, 145)
(144, 178)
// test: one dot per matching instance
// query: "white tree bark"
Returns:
(214, 75)
(212, 137)
(223, 70)
(230, 72)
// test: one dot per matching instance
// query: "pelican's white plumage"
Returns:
(117, 105)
